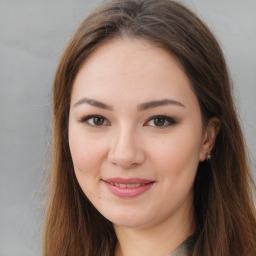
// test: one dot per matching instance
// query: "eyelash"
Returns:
(168, 121)
(87, 119)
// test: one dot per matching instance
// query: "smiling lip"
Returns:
(128, 187)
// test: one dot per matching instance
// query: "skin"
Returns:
(129, 142)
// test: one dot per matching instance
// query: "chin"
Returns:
(128, 219)
(129, 223)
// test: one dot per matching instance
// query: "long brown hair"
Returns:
(223, 200)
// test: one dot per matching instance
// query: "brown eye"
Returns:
(159, 121)
(98, 120)
(95, 121)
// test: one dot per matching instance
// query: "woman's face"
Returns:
(135, 134)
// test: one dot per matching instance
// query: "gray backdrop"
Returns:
(33, 34)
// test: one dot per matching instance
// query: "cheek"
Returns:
(87, 153)
(86, 157)
(178, 155)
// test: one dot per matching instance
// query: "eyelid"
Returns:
(87, 118)
(170, 120)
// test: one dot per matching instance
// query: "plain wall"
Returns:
(33, 35)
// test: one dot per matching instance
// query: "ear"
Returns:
(209, 136)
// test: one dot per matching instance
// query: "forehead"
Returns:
(131, 69)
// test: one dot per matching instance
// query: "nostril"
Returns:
(126, 158)
(125, 150)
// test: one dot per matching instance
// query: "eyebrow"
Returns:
(141, 107)
(159, 103)
(93, 103)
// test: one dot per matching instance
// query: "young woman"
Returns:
(148, 154)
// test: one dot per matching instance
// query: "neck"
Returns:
(160, 239)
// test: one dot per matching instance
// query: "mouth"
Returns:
(120, 185)
(128, 187)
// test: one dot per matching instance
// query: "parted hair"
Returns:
(223, 189)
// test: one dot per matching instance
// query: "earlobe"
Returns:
(210, 133)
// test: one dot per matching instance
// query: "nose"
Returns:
(126, 150)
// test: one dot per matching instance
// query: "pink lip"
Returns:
(118, 186)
